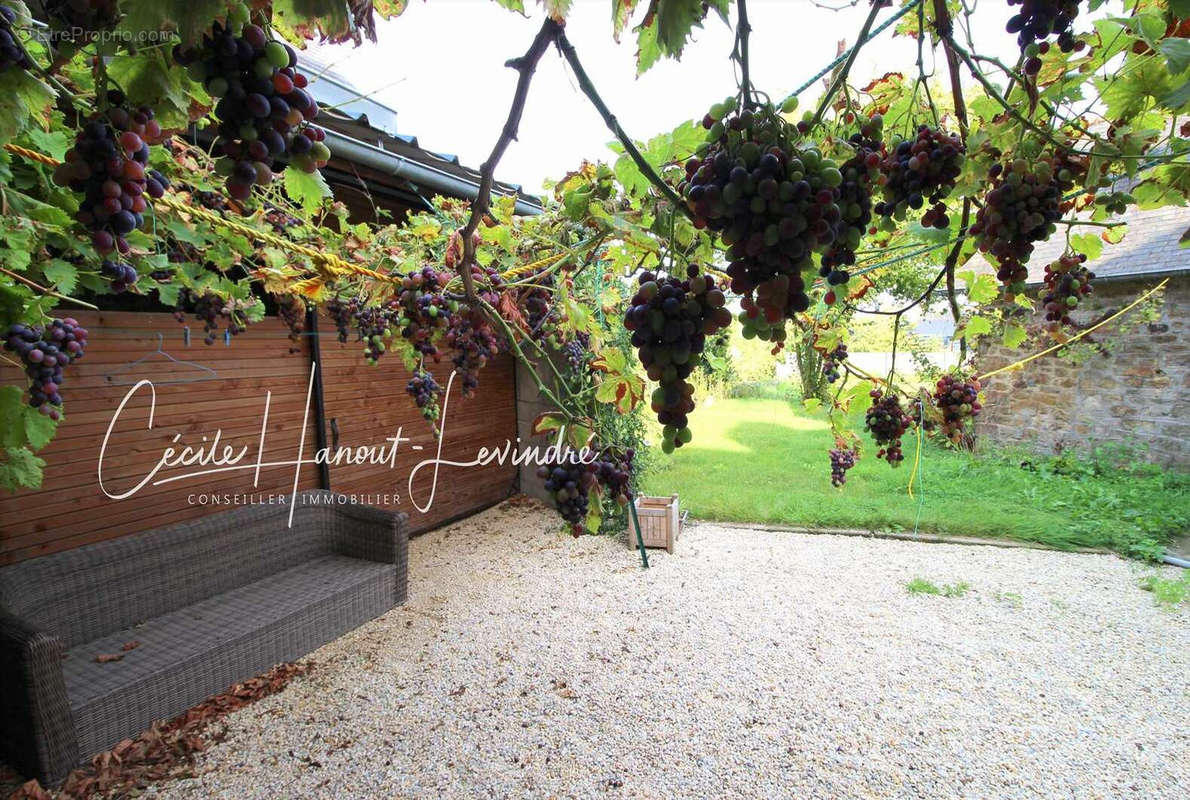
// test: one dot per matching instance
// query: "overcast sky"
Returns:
(441, 65)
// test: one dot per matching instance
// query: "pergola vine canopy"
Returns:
(186, 168)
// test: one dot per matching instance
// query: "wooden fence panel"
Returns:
(70, 509)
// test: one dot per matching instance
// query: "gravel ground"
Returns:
(747, 664)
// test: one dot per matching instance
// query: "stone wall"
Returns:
(1134, 394)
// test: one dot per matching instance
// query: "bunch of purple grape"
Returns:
(341, 313)
(958, 400)
(208, 309)
(613, 471)
(568, 484)
(425, 392)
(292, 311)
(773, 203)
(120, 275)
(109, 166)
(424, 310)
(45, 351)
(474, 341)
(578, 351)
(887, 422)
(921, 170)
(1036, 22)
(264, 110)
(831, 362)
(669, 319)
(842, 460)
(860, 174)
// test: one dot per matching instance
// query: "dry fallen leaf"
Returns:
(106, 658)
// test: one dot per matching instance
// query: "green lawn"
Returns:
(766, 461)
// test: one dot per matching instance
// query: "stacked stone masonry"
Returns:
(1136, 394)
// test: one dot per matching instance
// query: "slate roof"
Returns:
(1150, 247)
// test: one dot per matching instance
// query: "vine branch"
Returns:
(946, 30)
(841, 76)
(49, 292)
(609, 119)
(526, 65)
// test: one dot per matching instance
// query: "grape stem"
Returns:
(526, 65)
(740, 52)
(841, 76)
(50, 292)
(609, 119)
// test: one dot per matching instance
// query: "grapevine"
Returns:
(887, 422)
(958, 401)
(773, 204)
(263, 108)
(1022, 207)
(921, 170)
(108, 165)
(1067, 281)
(45, 351)
(669, 319)
(831, 362)
(425, 392)
(1036, 22)
(842, 459)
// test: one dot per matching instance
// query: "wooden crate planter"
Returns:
(659, 522)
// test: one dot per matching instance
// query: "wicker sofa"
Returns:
(210, 603)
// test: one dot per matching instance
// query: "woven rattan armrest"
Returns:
(36, 727)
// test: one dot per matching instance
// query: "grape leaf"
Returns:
(812, 404)
(547, 422)
(1014, 334)
(24, 100)
(675, 20)
(976, 326)
(981, 288)
(1087, 243)
(307, 189)
(1176, 99)
(62, 273)
(167, 293)
(1114, 235)
(1177, 54)
(52, 143)
(513, 5)
(1180, 8)
(648, 51)
(621, 12)
(12, 408)
(148, 80)
(20, 468)
(39, 429)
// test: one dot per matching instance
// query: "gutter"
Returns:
(416, 172)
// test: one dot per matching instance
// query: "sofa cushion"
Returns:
(190, 654)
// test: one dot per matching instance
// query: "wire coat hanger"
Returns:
(209, 374)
